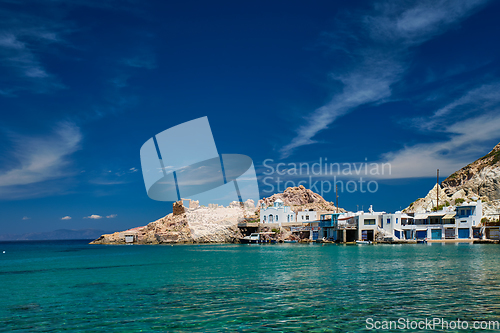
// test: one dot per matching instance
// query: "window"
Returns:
(302, 216)
(264, 218)
(307, 217)
(369, 222)
(276, 218)
(388, 221)
(396, 220)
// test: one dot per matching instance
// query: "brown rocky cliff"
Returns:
(199, 225)
(477, 180)
(299, 198)
(481, 178)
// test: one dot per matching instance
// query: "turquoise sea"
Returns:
(71, 286)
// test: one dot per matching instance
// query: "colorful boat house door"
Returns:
(463, 233)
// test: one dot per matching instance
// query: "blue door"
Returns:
(421, 234)
(397, 234)
(408, 234)
(463, 233)
(436, 234)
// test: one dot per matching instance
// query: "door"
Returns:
(449, 233)
(397, 233)
(494, 233)
(437, 234)
(421, 234)
(463, 233)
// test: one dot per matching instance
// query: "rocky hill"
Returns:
(478, 180)
(184, 225)
(299, 199)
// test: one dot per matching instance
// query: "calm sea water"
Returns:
(72, 286)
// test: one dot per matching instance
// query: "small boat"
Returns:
(289, 241)
(362, 242)
(252, 239)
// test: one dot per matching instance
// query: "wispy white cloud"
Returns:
(114, 177)
(35, 159)
(23, 37)
(26, 218)
(146, 61)
(465, 139)
(112, 216)
(477, 100)
(381, 60)
(419, 22)
(66, 218)
(93, 217)
(368, 83)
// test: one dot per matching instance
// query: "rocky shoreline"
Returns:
(186, 226)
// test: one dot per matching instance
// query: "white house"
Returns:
(367, 224)
(306, 216)
(460, 223)
(467, 219)
(277, 213)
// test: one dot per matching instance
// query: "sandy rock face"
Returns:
(178, 208)
(300, 198)
(430, 201)
(480, 178)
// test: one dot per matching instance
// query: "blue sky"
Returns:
(83, 84)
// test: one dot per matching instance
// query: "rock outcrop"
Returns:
(299, 199)
(199, 225)
(478, 180)
(430, 201)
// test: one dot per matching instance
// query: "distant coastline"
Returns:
(59, 234)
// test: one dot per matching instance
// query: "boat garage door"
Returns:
(436, 234)
(421, 234)
(494, 233)
(449, 233)
(463, 233)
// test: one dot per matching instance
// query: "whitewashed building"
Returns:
(277, 213)
(461, 222)
(307, 216)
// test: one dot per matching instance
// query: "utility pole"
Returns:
(437, 192)
(337, 197)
